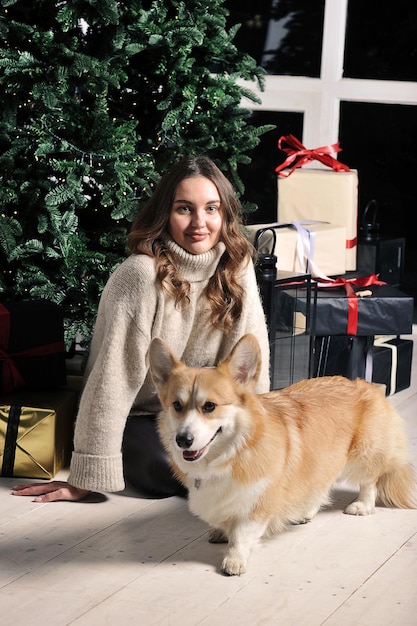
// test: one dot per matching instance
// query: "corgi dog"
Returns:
(254, 463)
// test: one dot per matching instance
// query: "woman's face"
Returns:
(195, 219)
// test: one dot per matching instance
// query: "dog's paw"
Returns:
(358, 507)
(306, 517)
(304, 520)
(233, 566)
(217, 536)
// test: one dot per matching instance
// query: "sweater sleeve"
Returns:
(115, 372)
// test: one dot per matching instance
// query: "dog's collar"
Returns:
(197, 483)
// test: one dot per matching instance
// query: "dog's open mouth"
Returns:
(194, 455)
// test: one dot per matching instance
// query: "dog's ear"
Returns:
(244, 361)
(161, 361)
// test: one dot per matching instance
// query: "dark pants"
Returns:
(145, 462)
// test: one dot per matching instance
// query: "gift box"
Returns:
(392, 359)
(313, 247)
(32, 349)
(343, 356)
(384, 311)
(36, 432)
(324, 195)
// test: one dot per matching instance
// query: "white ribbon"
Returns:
(306, 242)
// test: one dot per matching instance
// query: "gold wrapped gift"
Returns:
(36, 432)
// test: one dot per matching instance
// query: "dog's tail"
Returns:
(398, 488)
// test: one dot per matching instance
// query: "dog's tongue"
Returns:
(194, 455)
(190, 455)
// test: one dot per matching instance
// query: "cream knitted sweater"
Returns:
(132, 311)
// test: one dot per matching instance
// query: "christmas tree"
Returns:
(98, 98)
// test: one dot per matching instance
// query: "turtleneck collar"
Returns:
(195, 267)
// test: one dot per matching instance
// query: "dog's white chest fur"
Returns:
(221, 498)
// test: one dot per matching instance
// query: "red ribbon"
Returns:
(12, 379)
(296, 150)
(351, 243)
(367, 281)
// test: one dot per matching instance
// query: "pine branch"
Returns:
(98, 99)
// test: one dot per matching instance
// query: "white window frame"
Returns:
(319, 98)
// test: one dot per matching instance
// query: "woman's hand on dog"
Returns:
(50, 492)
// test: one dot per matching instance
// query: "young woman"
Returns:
(189, 280)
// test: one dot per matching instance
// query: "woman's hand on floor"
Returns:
(50, 492)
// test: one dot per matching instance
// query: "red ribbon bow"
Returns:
(296, 150)
(367, 281)
(12, 378)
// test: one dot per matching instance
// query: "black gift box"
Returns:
(388, 311)
(343, 356)
(392, 360)
(32, 349)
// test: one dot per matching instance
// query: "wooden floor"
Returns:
(125, 560)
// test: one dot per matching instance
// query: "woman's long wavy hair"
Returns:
(223, 290)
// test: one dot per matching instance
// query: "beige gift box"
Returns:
(315, 194)
(292, 248)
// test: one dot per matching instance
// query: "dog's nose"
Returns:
(184, 440)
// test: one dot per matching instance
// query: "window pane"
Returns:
(283, 36)
(381, 40)
(259, 177)
(379, 141)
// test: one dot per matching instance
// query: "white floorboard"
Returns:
(126, 560)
